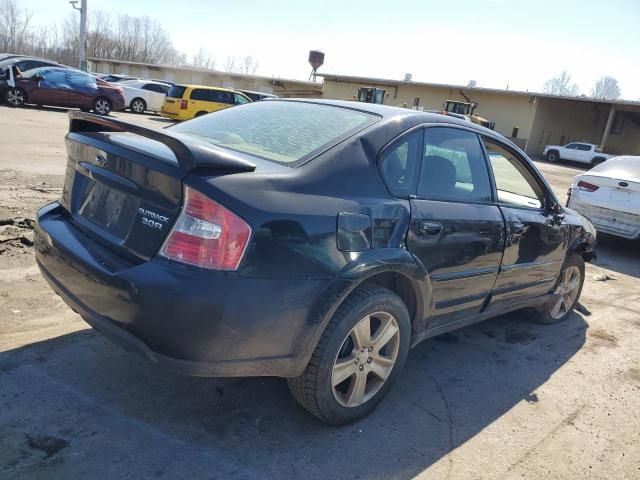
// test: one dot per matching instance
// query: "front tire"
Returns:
(16, 97)
(102, 106)
(597, 161)
(567, 291)
(360, 354)
(138, 105)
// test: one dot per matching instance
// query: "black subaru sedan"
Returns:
(312, 240)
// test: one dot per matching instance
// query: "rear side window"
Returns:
(201, 94)
(583, 147)
(176, 91)
(153, 87)
(515, 185)
(453, 167)
(240, 99)
(281, 131)
(399, 165)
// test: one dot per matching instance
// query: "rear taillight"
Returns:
(206, 234)
(183, 104)
(587, 187)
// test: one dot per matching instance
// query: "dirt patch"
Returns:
(46, 443)
(604, 337)
(633, 374)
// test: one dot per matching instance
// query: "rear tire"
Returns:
(138, 105)
(552, 156)
(16, 97)
(568, 289)
(199, 114)
(357, 359)
(102, 106)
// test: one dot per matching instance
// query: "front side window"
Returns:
(515, 185)
(453, 167)
(571, 146)
(280, 131)
(399, 165)
(584, 148)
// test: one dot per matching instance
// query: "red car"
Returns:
(63, 87)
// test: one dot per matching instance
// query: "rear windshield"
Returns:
(176, 91)
(280, 131)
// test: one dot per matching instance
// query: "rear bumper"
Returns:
(188, 320)
(612, 222)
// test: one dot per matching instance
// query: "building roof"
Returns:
(390, 82)
(154, 66)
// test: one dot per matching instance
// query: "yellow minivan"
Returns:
(184, 102)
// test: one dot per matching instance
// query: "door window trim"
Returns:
(548, 197)
(494, 197)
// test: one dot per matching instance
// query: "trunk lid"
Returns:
(123, 182)
(127, 199)
(613, 193)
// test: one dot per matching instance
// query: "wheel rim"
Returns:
(138, 107)
(365, 359)
(567, 291)
(102, 106)
(552, 158)
(15, 97)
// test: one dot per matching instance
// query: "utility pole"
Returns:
(83, 31)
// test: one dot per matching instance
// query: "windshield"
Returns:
(280, 131)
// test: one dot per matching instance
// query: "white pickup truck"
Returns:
(576, 152)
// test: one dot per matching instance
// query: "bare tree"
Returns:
(248, 65)
(229, 64)
(607, 88)
(204, 59)
(561, 85)
(14, 26)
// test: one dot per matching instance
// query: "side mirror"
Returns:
(38, 78)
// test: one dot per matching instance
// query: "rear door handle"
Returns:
(424, 228)
(517, 228)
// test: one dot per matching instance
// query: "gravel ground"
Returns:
(502, 399)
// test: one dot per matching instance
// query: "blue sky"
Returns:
(498, 43)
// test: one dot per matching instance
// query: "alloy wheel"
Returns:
(137, 106)
(102, 106)
(567, 291)
(365, 359)
(15, 97)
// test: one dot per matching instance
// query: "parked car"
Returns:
(576, 152)
(184, 102)
(19, 64)
(115, 78)
(256, 96)
(63, 87)
(142, 95)
(609, 195)
(312, 240)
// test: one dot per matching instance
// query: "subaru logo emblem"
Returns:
(100, 160)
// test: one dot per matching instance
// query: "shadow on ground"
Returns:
(618, 254)
(77, 404)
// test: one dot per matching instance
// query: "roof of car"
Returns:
(209, 87)
(242, 90)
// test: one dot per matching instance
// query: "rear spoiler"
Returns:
(190, 154)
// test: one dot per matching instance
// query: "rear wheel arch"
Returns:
(597, 161)
(403, 276)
